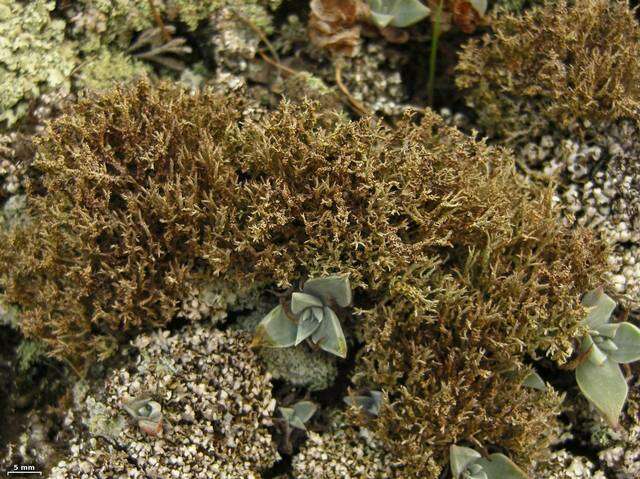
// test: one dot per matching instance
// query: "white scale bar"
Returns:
(24, 472)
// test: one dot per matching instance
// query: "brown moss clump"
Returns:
(554, 64)
(460, 268)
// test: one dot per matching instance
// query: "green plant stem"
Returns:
(433, 54)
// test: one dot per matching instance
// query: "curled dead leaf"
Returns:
(334, 24)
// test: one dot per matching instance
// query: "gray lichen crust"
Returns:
(216, 405)
(34, 55)
(343, 453)
(563, 465)
(598, 180)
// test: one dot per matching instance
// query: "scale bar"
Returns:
(23, 472)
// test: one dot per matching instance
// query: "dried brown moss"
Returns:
(554, 64)
(460, 268)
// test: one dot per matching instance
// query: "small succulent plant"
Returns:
(397, 13)
(147, 413)
(370, 403)
(467, 463)
(534, 381)
(309, 314)
(603, 349)
(297, 415)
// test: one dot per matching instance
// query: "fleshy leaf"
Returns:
(480, 6)
(604, 386)
(306, 326)
(318, 313)
(596, 355)
(304, 410)
(534, 381)
(476, 471)
(329, 335)
(600, 308)
(381, 20)
(499, 466)
(607, 346)
(336, 288)
(144, 410)
(408, 12)
(461, 458)
(297, 423)
(608, 330)
(287, 413)
(627, 339)
(276, 330)
(302, 301)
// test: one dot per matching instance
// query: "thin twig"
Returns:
(433, 54)
(260, 33)
(156, 15)
(280, 66)
(359, 108)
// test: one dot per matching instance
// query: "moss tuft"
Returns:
(460, 269)
(555, 64)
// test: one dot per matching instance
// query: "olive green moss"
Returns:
(559, 63)
(460, 269)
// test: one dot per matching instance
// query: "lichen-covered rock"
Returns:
(598, 181)
(216, 406)
(105, 67)
(12, 170)
(563, 465)
(113, 23)
(301, 367)
(372, 75)
(537, 85)
(343, 453)
(212, 300)
(35, 57)
(556, 64)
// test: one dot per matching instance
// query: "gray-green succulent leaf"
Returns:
(499, 466)
(600, 306)
(299, 414)
(144, 409)
(467, 463)
(596, 355)
(311, 316)
(604, 386)
(607, 330)
(307, 325)
(302, 301)
(599, 377)
(461, 458)
(397, 13)
(627, 342)
(370, 403)
(329, 335)
(330, 289)
(534, 381)
(305, 410)
(276, 330)
(480, 6)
